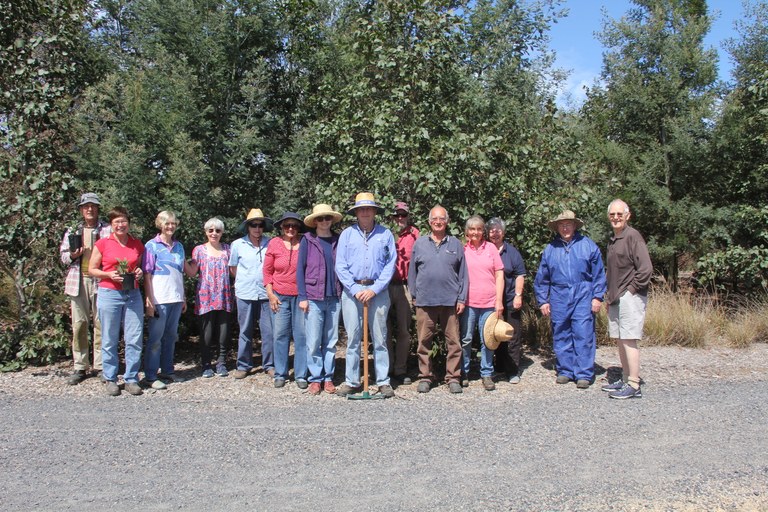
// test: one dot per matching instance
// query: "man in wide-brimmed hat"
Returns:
(365, 263)
(569, 287)
(81, 288)
(246, 263)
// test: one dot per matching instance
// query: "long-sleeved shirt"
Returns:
(362, 256)
(404, 245)
(280, 265)
(437, 274)
(628, 266)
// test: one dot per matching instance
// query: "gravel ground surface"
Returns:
(695, 441)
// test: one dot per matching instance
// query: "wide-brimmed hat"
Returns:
(566, 215)
(318, 211)
(495, 331)
(89, 197)
(401, 206)
(365, 199)
(290, 215)
(255, 214)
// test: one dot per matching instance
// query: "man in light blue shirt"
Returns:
(246, 264)
(365, 263)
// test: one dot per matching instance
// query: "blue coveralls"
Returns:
(569, 277)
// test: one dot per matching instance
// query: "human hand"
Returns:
(459, 308)
(274, 303)
(545, 309)
(596, 305)
(365, 295)
(304, 306)
(517, 302)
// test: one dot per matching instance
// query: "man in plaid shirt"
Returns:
(81, 288)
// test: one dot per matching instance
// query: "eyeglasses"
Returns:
(617, 215)
(259, 225)
(400, 215)
(438, 219)
(211, 231)
(324, 218)
(290, 226)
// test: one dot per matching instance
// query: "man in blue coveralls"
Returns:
(569, 288)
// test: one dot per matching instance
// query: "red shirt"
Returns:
(404, 246)
(111, 251)
(280, 266)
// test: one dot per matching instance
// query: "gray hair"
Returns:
(214, 223)
(618, 201)
(474, 221)
(447, 215)
(165, 216)
(496, 222)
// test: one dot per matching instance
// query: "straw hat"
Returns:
(566, 215)
(255, 214)
(365, 199)
(495, 331)
(318, 211)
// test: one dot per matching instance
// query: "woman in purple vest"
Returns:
(319, 293)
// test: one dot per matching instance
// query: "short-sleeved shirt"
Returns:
(280, 267)
(249, 261)
(214, 291)
(404, 246)
(513, 268)
(166, 265)
(482, 265)
(111, 251)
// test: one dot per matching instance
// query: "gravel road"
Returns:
(696, 441)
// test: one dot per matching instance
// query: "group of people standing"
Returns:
(296, 285)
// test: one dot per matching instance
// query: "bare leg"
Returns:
(630, 360)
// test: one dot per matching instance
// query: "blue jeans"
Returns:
(469, 319)
(161, 340)
(121, 308)
(352, 309)
(288, 322)
(322, 335)
(248, 311)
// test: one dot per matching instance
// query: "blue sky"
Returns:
(573, 39)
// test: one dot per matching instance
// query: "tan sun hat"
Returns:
(566, 215)
(365, 199)
(255, 214)
(495, 331)
(320, 210)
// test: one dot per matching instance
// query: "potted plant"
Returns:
(129, 279)
(75, 238)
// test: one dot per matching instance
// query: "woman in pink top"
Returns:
(119, 307)
(280, 265)
(485, 296)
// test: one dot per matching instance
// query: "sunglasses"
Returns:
(400, 215)
(324, 218)
(214, 231)
(290, 226)
(256, 225)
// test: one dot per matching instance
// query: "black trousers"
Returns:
(214, 331)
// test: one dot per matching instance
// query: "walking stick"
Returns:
(365, 395)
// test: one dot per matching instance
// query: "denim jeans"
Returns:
(161, 340)
(469, 319)
(121, 308)
(352, 309)
(249, 311)
(288, 322)
(322, 335)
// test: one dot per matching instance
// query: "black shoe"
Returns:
(76, 378)
(404, 380)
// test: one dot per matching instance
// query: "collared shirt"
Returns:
(249, 260)
(482, 264)
(404, 245)
(362, 256)
(166, 265)
(570, 271)
(514, 267)
(74, 268)
(438, 272)
(628, 266)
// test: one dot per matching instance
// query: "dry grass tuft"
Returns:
(749, 324)
(679, 319)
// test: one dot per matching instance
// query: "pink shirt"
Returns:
(406, 238)
(280, 266)
(482, 265)
(111, 251)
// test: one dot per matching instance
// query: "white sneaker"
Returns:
(158, 384)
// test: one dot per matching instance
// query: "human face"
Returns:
(566, 229)
(438, 221)
(365, 216)
(169, 228)
(120, 226)
(401, 218)
(290, 229)
(255, 229)
(475, 234)
(496, 235)
(618, 217)
(90, 213)
(214, 235)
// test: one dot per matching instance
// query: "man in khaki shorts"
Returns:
(629, 271)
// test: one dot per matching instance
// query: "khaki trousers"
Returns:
(427, 319)
(83, 309)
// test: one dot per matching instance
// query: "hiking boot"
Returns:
(329, 388)
(454, 387)
(208, 373)
(314, 388)
(386, 391)
(582, 384)
(239, 374)
(614, 386)
(76, 378)
(279, 383)
(221, 370)
(112, 388)
(488, 383)
(302, 384)
(562, 379)
(345, 389)
(626, 392)
(134, 388)
(424, 386)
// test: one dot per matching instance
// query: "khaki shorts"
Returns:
(626, 318)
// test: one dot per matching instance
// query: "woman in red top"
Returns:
(119, 304)
(280, 264)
